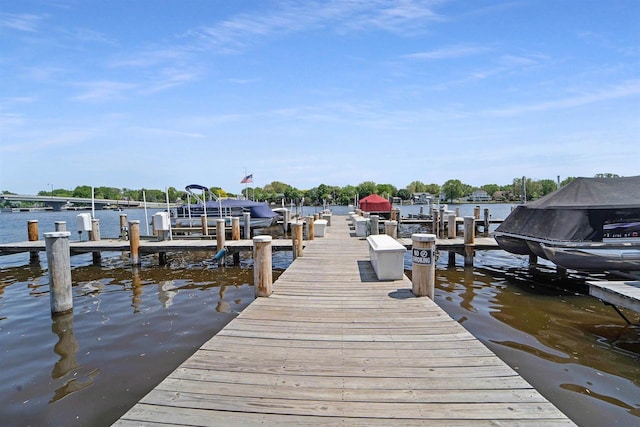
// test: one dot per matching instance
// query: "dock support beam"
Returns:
(59, 262)
(423, 265)
(262, 270)
(220, 239)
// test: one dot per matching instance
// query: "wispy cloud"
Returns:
(623, 90)
(99, 91)
(241, 31)
(21, 22)
(449, 52)
(169, 78)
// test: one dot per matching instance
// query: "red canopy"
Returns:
(375, 203)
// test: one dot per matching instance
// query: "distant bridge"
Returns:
(57, 203)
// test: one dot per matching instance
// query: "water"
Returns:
(132, 327)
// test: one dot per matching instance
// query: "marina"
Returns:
(335, 346)
(491, 301)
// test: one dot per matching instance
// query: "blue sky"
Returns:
(150, 94)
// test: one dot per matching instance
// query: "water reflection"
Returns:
(136, 289)
(67, 365)
(166, 292)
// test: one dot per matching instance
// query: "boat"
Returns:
(375, 205)
(214, 208)
(590, 224)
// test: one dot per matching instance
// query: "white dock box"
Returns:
(161, 221)
(361, 226)
(387, 257)
(84, 222)
(319, 228)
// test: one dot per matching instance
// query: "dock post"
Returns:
(205, 225)
(235, 228)
(327, 217)
(296, 239)
(312, 228)
(393, 215)
(533, 259)
(375, 224)
(94, 236)
(262, 270)
(486, 222)
(469, 239)
(441, 223)
(220, 239)
(476, 212)
(59, 261)
(134, 241)
(452, 227)
(423, 264)
(391, 228)
(435, 216)
(61, 225)
(246, 217)
(32, 232)
(124, 235)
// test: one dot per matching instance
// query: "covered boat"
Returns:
(591, 224)
(208, 204)
(375, 204)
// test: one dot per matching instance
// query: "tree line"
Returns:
(275, 192)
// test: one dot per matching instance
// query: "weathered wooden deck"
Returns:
(334, 346)
(619, 293)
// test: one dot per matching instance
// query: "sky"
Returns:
(157, 93)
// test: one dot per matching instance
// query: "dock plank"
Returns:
(334, 346)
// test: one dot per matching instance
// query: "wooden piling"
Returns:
(423, 265)
(32, 232)
(205, 225)
(220, 238)
(469, 239)
(435, 215)
(235, 228)
(124, 234)
(60, 225)
(246, 217)
(312, 228)
(486, 222)
(375, 224)
(391, 228)
(296, 237)
(134, 241)
(476, 212)
(452, 227)
(94, 236)
(262, 270)
(59, 264)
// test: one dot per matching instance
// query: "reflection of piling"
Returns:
(136, 289)
(134, 241)
(296, 237)
(423, 265)
(32, 232)
(66, 347)
(262, 271)
(59, 262)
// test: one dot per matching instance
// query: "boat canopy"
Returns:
(374, 203)
(582, 210)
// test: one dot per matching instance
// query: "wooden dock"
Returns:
(334, 346)
(618, 293)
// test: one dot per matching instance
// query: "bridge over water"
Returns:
(57, 203)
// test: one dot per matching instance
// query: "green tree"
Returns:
(567, 180)
(453, 189)
(417, 187)
(607, 175)
(404, 194)
(366, 188)
(83, 191)
(347, 195)
(490, 188)
(547, 186)
(432, 189)
(386, 190)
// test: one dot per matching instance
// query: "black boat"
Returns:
(590, 224)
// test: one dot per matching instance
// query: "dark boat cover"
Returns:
(374, 203)
(580, 211)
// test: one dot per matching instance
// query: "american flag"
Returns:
(247, 179)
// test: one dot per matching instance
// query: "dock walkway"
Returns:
(335, 346)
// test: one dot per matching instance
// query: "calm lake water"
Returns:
(131, 327)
